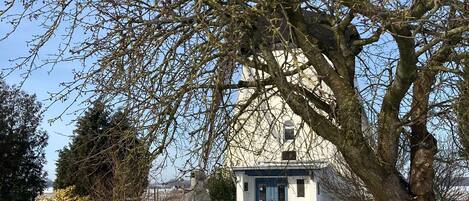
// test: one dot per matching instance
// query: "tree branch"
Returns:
(445, 36)
(373, 38)
(388, 121)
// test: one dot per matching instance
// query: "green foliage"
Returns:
(66, 194)
(80, 164)
(105, 158)
(221, 186)
(22, 145)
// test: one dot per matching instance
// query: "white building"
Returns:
(273, 154)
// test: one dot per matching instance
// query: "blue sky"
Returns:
(45, 81)
(40, 83)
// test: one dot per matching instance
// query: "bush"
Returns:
(66, 194)
(221, 186)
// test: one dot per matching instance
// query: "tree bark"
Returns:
(382, 179)
(423, 144)
(423, 150)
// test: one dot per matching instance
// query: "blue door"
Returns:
(271, 189)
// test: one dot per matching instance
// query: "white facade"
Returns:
(311, 189)
(276, 156)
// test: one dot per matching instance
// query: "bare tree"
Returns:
(177, 65)
(447, 180)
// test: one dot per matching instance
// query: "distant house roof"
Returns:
(173, 183)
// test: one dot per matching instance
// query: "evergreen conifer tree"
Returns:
(22, 145)
(105, 160)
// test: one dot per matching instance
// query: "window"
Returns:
(246, 186)
(281, 192)
(289, 130)
(289, 155)
(300, 187)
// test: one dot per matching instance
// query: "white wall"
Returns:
(242, 195)
(310, 189)
(258, 135)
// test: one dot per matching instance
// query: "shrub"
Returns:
(221, 186)
(66, 194)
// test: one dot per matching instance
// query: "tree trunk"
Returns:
(423, 144)
(384, 184)
(423, 150)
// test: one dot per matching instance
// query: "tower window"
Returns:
(289, 155)
(246, 186)
(289, 130)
